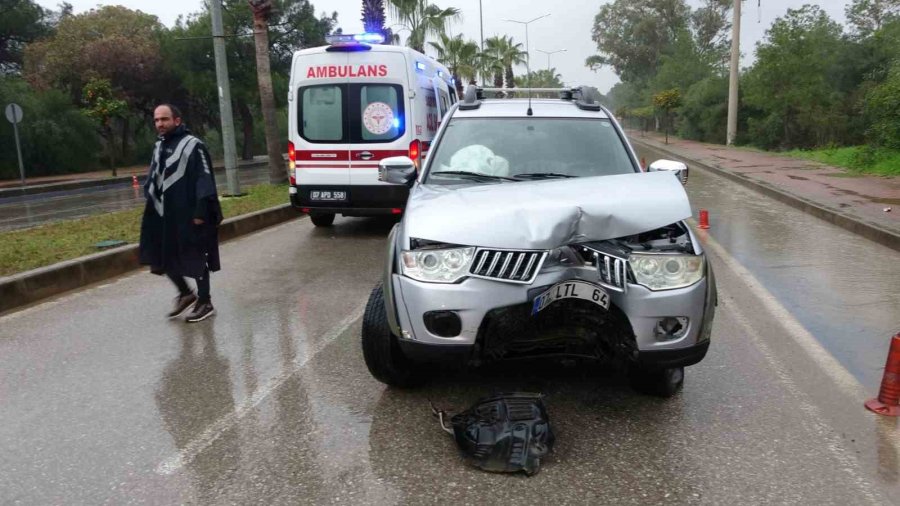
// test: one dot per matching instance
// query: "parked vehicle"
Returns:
(352, 104)
(532, 231)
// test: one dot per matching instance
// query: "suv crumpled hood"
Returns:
(545, 214)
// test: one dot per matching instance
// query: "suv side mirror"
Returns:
(397, 170)
(678, 168)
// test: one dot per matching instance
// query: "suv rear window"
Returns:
(354, 113)
(512, 147)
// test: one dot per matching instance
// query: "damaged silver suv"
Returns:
(531, 231)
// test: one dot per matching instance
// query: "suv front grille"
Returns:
(507, 265)
(612, 270)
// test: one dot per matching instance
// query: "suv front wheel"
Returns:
(664, 382)
(380, 349)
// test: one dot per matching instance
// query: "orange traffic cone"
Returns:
(888, 400)
(134, 182)
(704, 219)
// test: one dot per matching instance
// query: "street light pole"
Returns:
(218, 33)
(731, 131)
(481, 26)
(548, 53)
(527, 46)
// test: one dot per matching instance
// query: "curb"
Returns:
(871, 231)
(31, 286)
(87, 183)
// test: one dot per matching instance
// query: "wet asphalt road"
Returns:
(38, 209)
(103, 401)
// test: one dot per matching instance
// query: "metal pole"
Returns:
(481, 25)
(731, 132)
(19, 152)
(218, 32)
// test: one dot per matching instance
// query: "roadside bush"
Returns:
(55, 137)
(704, 112)
(883, 109)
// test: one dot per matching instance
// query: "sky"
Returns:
(568, 26)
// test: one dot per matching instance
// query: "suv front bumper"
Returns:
(474, 298)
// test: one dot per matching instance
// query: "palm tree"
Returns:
(422, 19)
(492, 63)
(261, 10)
(460, 56)
(511, 54)
(373, 19)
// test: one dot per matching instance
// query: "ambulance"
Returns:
(351, 104)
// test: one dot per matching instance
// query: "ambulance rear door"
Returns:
(323, 147)
(378, 110)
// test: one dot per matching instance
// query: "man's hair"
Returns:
(176, 112)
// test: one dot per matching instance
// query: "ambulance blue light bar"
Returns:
(354, 38)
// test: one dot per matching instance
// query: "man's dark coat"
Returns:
(180, 187)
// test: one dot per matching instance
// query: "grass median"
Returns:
(22, 250)
(858, 159)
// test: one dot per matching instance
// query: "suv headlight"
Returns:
(666, 272)
(437, 265)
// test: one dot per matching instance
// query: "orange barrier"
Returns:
(888, 400)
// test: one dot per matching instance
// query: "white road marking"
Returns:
(209, 436)
(813, 416)
(844, 379)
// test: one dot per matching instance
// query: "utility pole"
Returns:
(527, 47)
(218, 33)
(481, 27)
(731, 132)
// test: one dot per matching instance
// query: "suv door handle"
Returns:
(365, 155)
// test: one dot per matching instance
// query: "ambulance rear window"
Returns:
(322, 113)
(381, 112)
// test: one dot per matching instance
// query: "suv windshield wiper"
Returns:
(473, 175)
(542, 175)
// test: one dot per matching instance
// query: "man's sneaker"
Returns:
(182, 302)
(201, 311)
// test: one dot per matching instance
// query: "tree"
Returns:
(882, 106)
(103, 107)
(667, 101)
(293, 25)
(505, 54)
(868, 16)
(492, 60)
(422, 19)
(21, 22)
(541, 79)
(261, 10)
(373, 19)
(790, 89)
(460, 56)
(632, 35)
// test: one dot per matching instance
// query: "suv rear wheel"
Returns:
(381, 351)
(322, 219)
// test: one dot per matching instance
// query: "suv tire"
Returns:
(657, 382)
(380, 349)
(322, 220)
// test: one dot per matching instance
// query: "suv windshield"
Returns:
(526, 149)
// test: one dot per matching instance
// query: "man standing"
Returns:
(179, 231)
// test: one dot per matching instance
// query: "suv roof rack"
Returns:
(586, 98)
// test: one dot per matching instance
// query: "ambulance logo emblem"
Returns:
(378, 118)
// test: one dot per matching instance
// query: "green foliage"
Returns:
(100, 103)
(795, 102)
(869, 16)
(859, 159)
(667, 100)
(883, 109)
(541, 79)
(459, 55)
(21, 22)
(504, 53)
(22, 250)
(56, 137)
(704, 110)
(422, 18)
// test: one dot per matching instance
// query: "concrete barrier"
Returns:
(31, 286)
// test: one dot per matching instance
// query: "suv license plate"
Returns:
(571, 290)
(327, 196)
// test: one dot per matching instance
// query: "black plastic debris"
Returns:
(504, 433)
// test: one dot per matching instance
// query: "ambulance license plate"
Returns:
(327, 196)
(571, 290)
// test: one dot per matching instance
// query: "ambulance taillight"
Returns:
(292, 162)
(414, 151)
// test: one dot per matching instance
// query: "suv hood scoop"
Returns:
(546, 214)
